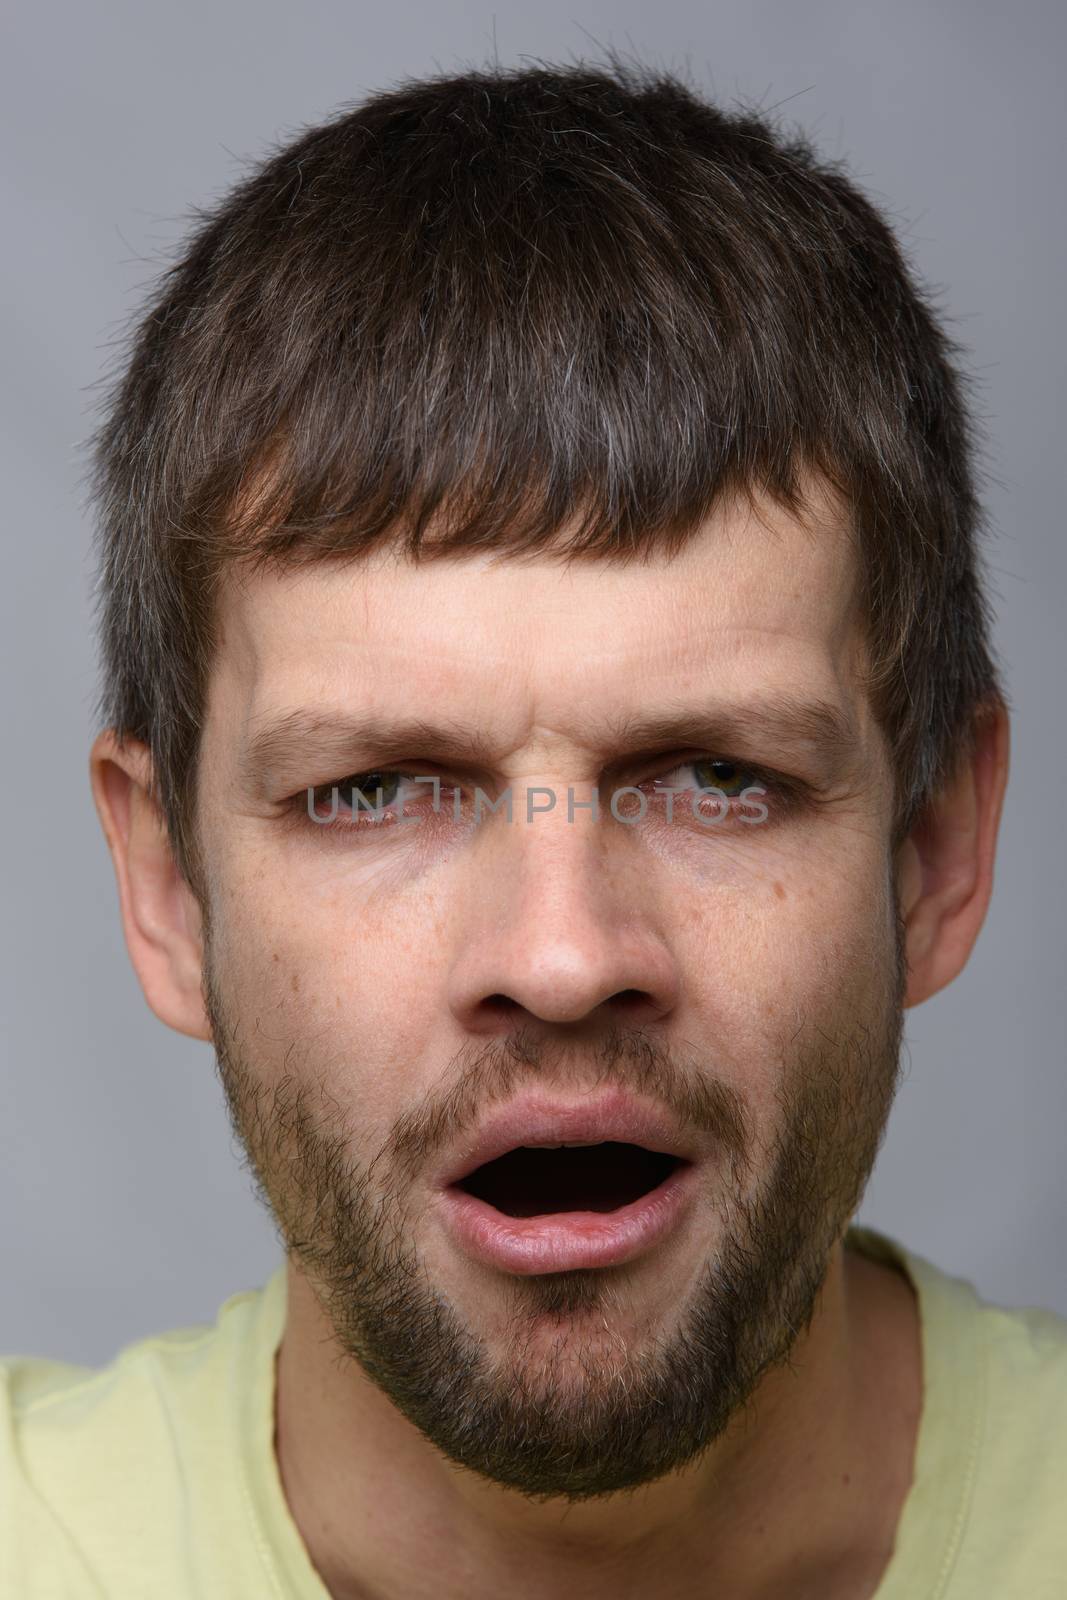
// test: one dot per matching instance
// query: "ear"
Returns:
(160, 914)
(945, 866)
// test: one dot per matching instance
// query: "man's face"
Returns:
(378, 990)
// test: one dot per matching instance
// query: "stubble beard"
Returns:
(589, 1413)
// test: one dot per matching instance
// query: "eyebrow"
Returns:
(276, 754)
(820, 730)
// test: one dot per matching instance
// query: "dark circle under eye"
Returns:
(725, 775)
(360, 790)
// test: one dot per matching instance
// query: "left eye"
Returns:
(711, 773)
(725, 775)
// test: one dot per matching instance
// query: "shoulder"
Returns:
(1026, 1384)
(46, 1399)
(1022, 1350)
(1014, 1541)
(988, 1502)
(91, 1457)
(1016, 1354)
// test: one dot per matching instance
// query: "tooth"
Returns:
(571, 1144)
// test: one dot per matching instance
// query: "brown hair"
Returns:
(516, 299)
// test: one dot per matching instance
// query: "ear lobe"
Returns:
(945, 866)
(160, 916)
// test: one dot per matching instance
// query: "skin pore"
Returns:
(735, 1411)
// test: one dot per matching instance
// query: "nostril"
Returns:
(636, 1006)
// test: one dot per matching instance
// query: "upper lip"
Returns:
(539, 1119)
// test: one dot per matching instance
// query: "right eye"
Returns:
(359, 797)
(369, 789)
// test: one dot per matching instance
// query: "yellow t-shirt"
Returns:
(155, 1478)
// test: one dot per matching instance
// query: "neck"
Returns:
(811, 1477)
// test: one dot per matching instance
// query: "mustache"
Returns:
(482, 1076)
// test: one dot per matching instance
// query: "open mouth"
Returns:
(533, 1181)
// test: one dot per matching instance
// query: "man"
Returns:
(551, 735)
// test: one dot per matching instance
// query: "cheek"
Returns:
(769, 958)
(330, 983)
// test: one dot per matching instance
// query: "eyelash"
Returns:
(785, 794)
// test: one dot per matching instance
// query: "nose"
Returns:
(563, 926)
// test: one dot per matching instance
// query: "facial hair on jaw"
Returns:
(626, 1416)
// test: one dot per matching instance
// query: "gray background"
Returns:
(123, 1209)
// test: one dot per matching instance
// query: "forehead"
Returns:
(766, 595)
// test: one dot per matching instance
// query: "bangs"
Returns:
(503, 345)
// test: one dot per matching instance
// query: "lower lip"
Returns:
(561, 1241)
